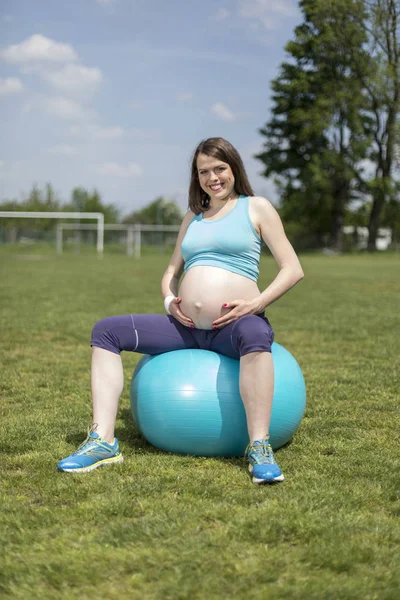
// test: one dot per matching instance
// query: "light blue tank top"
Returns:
(230, 242)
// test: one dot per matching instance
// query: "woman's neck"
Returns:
(218, 204)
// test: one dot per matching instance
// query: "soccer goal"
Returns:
(133, 242)
(63, 215)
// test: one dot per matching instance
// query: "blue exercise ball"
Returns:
(188, 402)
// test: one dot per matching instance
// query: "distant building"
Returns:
(360, 236)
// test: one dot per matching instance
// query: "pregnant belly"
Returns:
(205, 289)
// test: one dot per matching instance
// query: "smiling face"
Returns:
(216, 178)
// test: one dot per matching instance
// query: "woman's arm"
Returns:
(172, 275)
(174, 270)
(272, 232)
(270, 228)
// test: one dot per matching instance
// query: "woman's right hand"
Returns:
(176, 312)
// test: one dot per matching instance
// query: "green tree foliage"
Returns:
(383, 94)
(84, 201)
(318, 132)
(37, 200)
(159, 212)
(334, 131)
(40, 201)
(47, 200)
(391, 219)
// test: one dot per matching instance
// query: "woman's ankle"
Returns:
(106, 433)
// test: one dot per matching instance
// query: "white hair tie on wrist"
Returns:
(167, 302)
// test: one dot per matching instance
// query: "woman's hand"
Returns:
(236, 309)
(176, 312)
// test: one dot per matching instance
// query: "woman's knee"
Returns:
(253, 333)
(109, 333)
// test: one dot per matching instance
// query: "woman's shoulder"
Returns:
(260, 206)
(259, 201)
(263, 214)
(187, 219)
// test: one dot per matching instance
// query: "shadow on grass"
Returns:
(131, 436)
(128, 434)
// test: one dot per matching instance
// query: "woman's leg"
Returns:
(107, 379)
(249, 339)
(257, 390)
(148, 334)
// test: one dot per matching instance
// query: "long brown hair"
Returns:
(223, 150)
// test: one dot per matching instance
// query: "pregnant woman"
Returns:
(218, 306)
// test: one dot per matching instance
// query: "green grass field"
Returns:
(164, 526)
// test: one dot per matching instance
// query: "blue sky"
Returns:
(116, 94)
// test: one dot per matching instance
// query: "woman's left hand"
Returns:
(236, 309)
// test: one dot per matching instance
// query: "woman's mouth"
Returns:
(216, 188)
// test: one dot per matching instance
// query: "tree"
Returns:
(41, 201)
(84, 201)
(383, 94)
(47, 201)
(159, 212)
(8, 225)
(36, 201)
(318, 132)
(336, 104)
(391, 219)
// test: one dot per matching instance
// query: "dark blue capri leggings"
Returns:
(155, 334)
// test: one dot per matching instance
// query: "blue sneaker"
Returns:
(93, 453)
(262, 463)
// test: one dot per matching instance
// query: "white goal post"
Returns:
(63, 215)
(133, 237)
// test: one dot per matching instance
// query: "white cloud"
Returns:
(64, 150)
(96, 132)
(145, 134)
(223, 112)
(63, 108)
(222, 14)
(38, 48)
(74, 79)
(184, 97)
(268, 14)
(107, 133)
(10, 85)
(116, 170)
